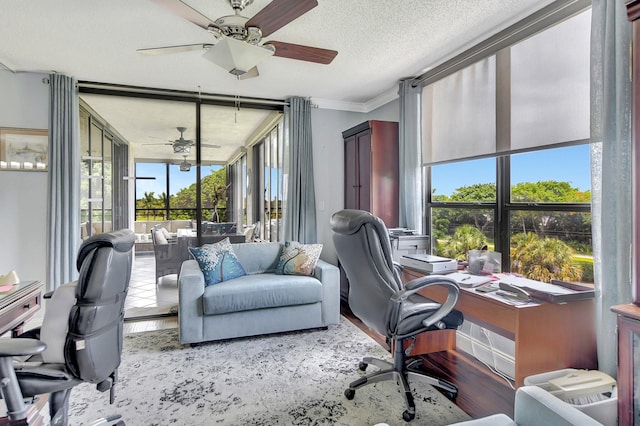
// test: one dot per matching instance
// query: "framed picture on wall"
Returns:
(23, 149)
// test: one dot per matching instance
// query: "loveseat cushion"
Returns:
(257, 258)
(260, 291)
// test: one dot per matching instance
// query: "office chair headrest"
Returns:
(121, 241)
(348, 221)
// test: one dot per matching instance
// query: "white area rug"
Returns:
(283, 379)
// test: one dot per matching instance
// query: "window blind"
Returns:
(529, 95)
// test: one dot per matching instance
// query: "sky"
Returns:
(569, 164)
(179, 179)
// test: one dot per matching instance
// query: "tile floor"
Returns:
(143, 292)
(144, 297)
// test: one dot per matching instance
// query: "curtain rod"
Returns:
(178, 93)
(532, 24)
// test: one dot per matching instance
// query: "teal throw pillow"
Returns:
(298, 259)
(217, 262)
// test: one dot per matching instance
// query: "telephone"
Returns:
(513, 292)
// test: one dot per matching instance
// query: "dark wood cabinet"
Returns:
(628, 364)
(371, 175)
(371, 169)
(629, 315)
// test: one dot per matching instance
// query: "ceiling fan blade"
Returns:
(174, 49)
(279, 13)
(253, 72)
(185, 11)
(207, 145)
(303, 53)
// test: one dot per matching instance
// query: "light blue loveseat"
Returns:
(260, 302)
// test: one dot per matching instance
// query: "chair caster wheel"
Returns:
(407, 416)
(349, 393)
(451, 396)
(363, 365)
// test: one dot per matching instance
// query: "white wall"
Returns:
(24, 103)
(328, 166)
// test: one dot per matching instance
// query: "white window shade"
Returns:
(530, 95)
(550, 86)
(459, 114)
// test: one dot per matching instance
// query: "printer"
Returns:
(407, 241)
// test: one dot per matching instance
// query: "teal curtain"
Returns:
(611, 177)
(64, 182)
(410, 146)
(300, 213)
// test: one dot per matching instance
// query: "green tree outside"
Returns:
(464, 239)
(183, 203)
(543, 259)
(550, 236)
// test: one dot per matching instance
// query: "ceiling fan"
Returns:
(182, 145)
(238, 43)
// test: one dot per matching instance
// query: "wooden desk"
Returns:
(18, 305)
(547, 336)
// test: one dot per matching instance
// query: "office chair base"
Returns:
(381, 364)
(402, 376)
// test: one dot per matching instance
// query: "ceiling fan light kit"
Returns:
(235, 56)
(185, 166)
(181, 149)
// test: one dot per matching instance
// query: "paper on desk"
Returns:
(468, 280)
(535, 285)
(508, 300)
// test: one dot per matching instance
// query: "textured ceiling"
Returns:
(379, 42)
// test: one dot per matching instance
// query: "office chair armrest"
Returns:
(414, 286)
(20, 347)
(427, 281)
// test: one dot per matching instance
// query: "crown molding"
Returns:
(377, 102)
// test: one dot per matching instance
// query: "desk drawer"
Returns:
(17, 313)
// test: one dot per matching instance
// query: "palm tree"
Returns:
(543, 259)
(464, 239)
(165, 204)
(148, 201)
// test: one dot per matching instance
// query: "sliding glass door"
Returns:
(180, 150)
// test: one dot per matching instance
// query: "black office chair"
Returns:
(90, 348)
(380, 300)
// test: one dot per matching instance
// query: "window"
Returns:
(530, 197)
(260, 196)
(104, 157)
(546, 217)
(150, 183)
(271, 161)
